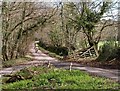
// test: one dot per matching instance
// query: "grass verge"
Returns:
(14, 62)
(54, 78)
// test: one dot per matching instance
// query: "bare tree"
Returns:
(21, 20)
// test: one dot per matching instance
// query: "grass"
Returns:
(14, 62)
(54, 78)
(101, 43)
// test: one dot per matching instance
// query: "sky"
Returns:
(58, 0)
(114, 11)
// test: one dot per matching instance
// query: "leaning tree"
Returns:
(86, 18)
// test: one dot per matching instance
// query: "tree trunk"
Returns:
(96, 49)
(118, 37)
(93, 43)
(4, 50)
(4, 30)
(18, 40)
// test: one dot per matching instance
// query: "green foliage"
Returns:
(25, 73)
(62, 51)
(54, 78)
(51, 54)
(88, 18)
(93, 17)
(55, 38)
(118, 53)
(108, 51)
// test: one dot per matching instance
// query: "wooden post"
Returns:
(96, 51)
(48, 64)
(70, 66)
(90, 53)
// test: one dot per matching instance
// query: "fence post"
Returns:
(70, 66)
